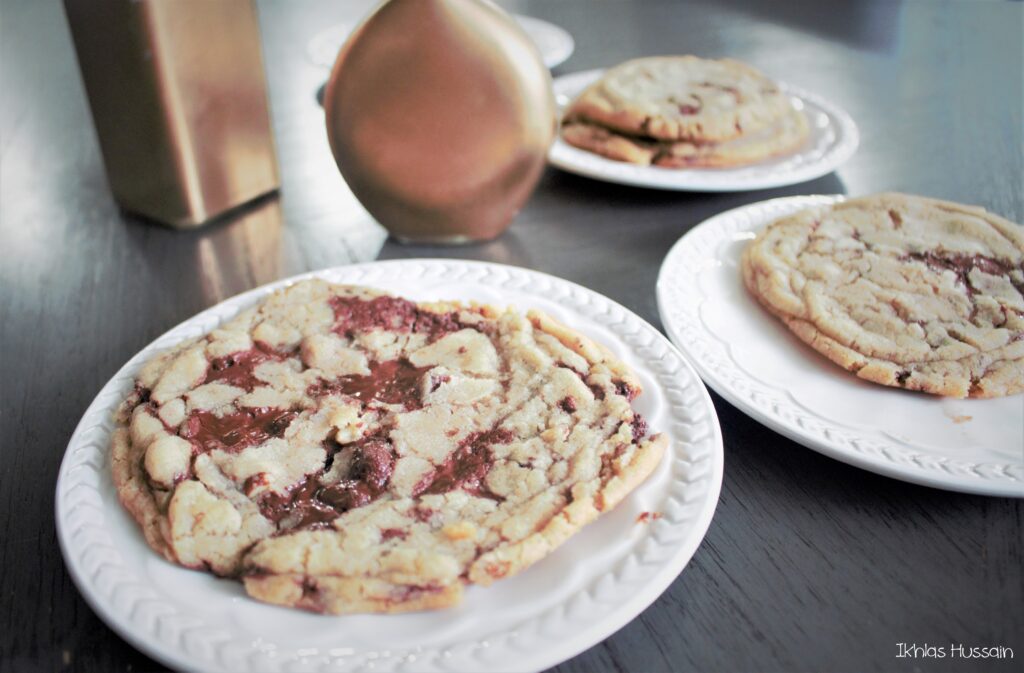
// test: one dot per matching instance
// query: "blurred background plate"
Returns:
(554, 43)
(833, 140)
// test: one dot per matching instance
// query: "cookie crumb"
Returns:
(647, 517)
(459, 531)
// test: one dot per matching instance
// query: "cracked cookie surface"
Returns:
(903, 290)
(343, 450)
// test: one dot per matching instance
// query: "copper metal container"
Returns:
(179, 100)
(440, 114)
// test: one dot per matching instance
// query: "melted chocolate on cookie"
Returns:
(467, 467)
(961, 265)
(238, 369)
(312, 504)
(391, 382)
(236, 431)
(353, 315)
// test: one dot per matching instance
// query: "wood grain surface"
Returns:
(809, 565)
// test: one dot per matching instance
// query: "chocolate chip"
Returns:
(639, 428)
(345, 495)
(392, 533)
(897, 219)
(373, 462)
(624, 389)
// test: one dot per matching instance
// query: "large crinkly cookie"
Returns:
(902, 290)
(342, 450)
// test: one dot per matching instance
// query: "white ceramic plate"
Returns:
(554, 43)
(750, 358)
(833, 139)
(592, 586)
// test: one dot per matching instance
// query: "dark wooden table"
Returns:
(809, 565)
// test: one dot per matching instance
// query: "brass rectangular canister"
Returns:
(179, 99)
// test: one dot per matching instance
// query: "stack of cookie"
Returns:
(684, 111)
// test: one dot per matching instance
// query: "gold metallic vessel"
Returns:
(179, 100)
(440, 114)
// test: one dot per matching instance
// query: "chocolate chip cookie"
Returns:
(902, 290)
(679, 111)
(341, 450)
